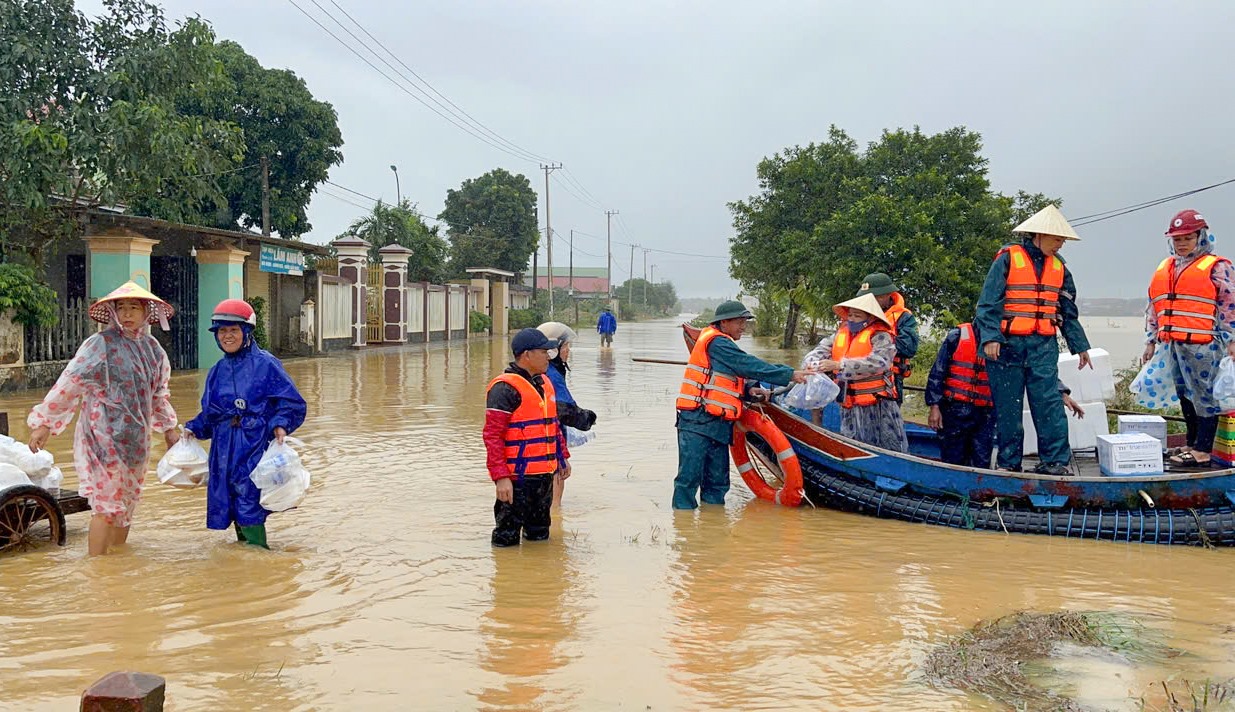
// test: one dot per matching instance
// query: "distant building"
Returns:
(588, 281)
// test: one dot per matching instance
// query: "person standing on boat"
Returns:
(1028, 298)
(713, 389)
(606, 326)
(860, 354)
(904, 325)
(1192, 313)
(962, 411)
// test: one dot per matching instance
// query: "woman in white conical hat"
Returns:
(1027, 300)
(119, 381)
(860, 355)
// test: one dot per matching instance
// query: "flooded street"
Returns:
(383, 592)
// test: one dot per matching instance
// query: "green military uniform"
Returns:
(703, 439)
(1028, 365)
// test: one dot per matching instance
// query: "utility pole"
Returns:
(645, 276)
(536, 258)
(265, 196)
(572, 263)
(549, 168)
(630, 288)
(609, 253)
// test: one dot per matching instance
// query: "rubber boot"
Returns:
(255, 535)
(239, 534)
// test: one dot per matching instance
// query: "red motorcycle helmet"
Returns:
(236, 311)
(1186, 222)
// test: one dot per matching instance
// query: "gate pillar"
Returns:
(118, 255)
(394, 288)
(353, 255)
(220, 275)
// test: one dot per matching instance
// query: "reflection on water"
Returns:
(383, 592)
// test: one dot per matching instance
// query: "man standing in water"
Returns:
(524, 445)
(710, 402)
(1028, 296)
(606, 326)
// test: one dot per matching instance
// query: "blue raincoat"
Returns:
(247, 396)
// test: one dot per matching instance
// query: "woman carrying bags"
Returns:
(119, 380)
(249, 401)
(860, 355)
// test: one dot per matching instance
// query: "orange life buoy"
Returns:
(755, 421)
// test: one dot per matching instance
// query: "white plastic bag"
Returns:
(1224, 385)
(281, 476)
(185, 465)
(12, 476)
(576, 437)
(817, 392)
(51, 481)
(1154, 385)
(34, 464)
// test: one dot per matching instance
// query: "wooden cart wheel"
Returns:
(29, 515)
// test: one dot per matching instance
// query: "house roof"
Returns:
(136, 222)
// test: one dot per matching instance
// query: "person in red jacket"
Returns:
(524, 444)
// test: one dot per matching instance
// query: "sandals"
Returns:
(1177, 451)
(1189, 461)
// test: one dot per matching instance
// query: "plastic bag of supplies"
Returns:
(817, 392)
(1154, 385)
(185, 464)
(1224, 385)
(281, 476)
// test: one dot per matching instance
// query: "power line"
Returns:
(424, 81)
(566, 187)
(340, 198)
(465, 128)
(579, 183)
(1117, 212)
(417, 213)
(223, 173)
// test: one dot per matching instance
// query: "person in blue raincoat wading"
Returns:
(249, 401)
(606, 326)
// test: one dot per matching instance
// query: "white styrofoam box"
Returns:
(1124, 447)
(1154, 425)
(1088, 384)
(1082, 432)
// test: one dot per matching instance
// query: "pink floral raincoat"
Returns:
(120, 382)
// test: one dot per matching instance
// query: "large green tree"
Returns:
(916, 206)
(90, 116)
(492, 222)
(282, 122)
(402, 225)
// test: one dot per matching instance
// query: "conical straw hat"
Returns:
(1048, 221)
(867, 303)
(160, 311)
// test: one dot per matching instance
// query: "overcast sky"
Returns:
(662, 110)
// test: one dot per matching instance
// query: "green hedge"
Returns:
(478, 323)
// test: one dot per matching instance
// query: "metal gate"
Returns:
(376, 298)
(174, 279)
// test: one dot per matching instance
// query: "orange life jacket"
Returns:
(967, 380)
(531, 436)
(901, 365)
(1187, 305)
(868, 391)
(1031, 302)
(719, 394)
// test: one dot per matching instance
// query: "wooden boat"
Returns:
(1193, 507)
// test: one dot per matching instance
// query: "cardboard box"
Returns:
(1154, 425)
(1088, 384)
(1126, 447)
(1082, 433)
(1133, 467)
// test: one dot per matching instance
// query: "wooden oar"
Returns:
(658, 360)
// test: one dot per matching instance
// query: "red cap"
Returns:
(1186, 222)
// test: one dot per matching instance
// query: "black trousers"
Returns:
(528, 513)
(968, 434)
(1201, 428)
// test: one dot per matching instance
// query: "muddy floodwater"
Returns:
(382, 592)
